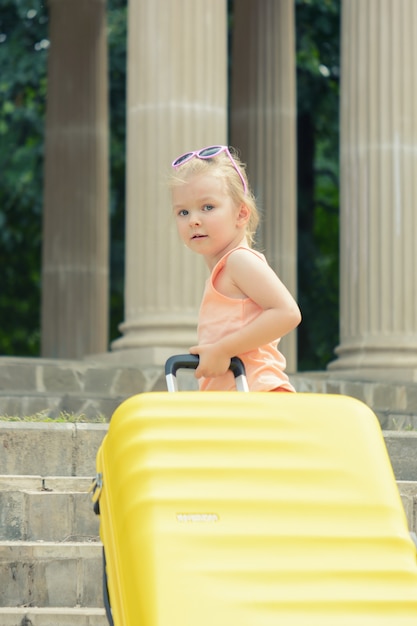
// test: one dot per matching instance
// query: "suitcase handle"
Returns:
(190, 361)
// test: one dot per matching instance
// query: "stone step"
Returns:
(52, 386)
(98, 408)
(60, 509)
(62, 449)
(49, 448)
(408, 493)
(25, 616)
(33, 508)
(392, 397)
(402, 449)
(49, 574)
(89, 407)
(95, 386)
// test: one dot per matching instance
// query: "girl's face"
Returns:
(208, 220)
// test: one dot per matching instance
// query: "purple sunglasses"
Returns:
(208, 153)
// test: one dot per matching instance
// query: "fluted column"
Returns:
(75, 225)
(263, 128)
(177, 101)
(378, 316)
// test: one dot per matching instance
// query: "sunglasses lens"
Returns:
(182, 159)
(206, 153)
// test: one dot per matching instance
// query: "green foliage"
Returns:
(318, 35)
(23, 57)
(117, 27)
(23, 85)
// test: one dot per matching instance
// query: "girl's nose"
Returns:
(194, 219)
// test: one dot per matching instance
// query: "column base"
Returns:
(151, 340)
(397, 361)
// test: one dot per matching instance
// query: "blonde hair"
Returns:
(221, 165)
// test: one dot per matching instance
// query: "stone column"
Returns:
(177, 101)
(263, 128)
(378, 316)
(75, 226)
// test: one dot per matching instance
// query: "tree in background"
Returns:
(23, 53)
(318, 55)
(23, 86)
(24, 45)
(117, 32)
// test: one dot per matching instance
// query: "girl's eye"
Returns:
(208, 207)
(182, 213)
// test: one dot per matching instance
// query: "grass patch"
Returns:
(62, 418)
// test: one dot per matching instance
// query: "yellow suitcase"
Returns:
(252, 509)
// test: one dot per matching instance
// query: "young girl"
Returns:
(246, 309)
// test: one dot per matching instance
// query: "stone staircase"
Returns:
(50, 552)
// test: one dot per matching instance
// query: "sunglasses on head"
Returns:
(208, 153)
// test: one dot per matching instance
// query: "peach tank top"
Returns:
(219, 316)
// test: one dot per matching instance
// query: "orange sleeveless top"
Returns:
(219, 316)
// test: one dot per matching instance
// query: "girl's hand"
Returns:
(213, 361)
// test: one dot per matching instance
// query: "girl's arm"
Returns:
(252, 278)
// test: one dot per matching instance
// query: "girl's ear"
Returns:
(243, 215)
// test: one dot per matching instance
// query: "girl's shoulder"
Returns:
(237, 259)
(240, 253)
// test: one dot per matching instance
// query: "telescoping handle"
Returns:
(190, 361)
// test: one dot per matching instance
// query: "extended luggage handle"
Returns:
(190, 361)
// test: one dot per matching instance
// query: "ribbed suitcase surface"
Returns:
(228, 509)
